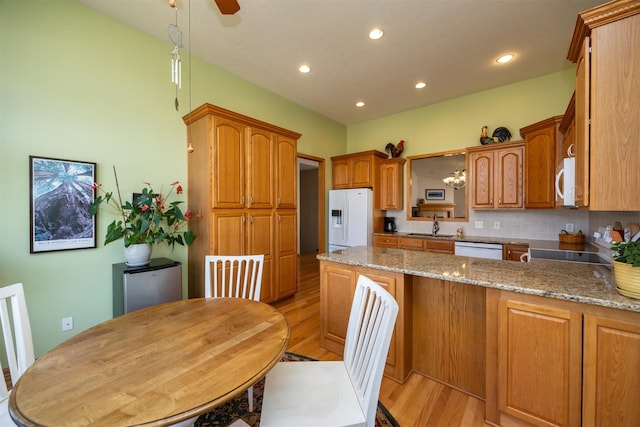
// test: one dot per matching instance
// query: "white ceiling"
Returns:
(450, 44)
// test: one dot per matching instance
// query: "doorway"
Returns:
(311, 204)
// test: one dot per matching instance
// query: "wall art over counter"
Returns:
(60, 194)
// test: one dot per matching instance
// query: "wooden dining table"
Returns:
(153, 367)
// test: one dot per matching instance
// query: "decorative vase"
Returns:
(137, 254)
(627, 279)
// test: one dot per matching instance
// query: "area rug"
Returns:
(236, 408)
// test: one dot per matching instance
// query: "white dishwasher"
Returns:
(479, 250)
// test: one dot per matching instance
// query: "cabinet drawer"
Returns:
(385, 241)
(411, 243)
(439, 246)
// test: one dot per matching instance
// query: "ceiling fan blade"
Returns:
(228, 7)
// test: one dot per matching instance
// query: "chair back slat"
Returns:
(16, 333)
(233, 276)
(371, 322)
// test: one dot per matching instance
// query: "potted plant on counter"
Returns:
(150, 218)
(626, 267)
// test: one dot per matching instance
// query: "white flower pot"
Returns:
(137, 255)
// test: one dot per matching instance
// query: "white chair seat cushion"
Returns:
(304, 394)
(5, 418)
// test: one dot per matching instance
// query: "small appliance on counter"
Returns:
(390, 224)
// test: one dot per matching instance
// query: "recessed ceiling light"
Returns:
(376, 34)
(505, 58)
(421, 85)
(304, 69)
(360, 104)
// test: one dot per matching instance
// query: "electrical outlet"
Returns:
(496, 225)
(479, 224)
(569, 227)
(67, 324)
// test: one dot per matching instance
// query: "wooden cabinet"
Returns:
(540, 147)
(449, 331)
(539, 363)
(337, 286)
(606, 49)
(411, 243)
(560, 363)
(496, 173)
(611, 372)
(385, 241)
(439, 246)
(513, 252)
(392, 183)
(356, 170)
(242, 177)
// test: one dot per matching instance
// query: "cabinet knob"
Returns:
(242, 200)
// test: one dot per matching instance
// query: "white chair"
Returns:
(18, 342)
(341, 393)
(234, 277)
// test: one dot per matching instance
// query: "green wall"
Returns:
(77, 85)
(457, 123)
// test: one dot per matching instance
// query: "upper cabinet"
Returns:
(496, 175)
(356, 170)
(540, 146)
(392, 183)
(606, 49)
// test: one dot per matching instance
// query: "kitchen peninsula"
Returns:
(543, 343)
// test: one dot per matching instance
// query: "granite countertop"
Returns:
(584, 283)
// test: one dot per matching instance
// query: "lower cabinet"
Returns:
(560, 363)
(513, 252)
(337, 286)
(611, 379)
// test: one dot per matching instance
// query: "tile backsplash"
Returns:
(524, 224)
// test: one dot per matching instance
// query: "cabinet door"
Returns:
(260, 238)
(482, 176)
(439, 246)
(391, 185)
(362, 171)
(260, 164)
(340, 174)
(582, 126)
(611, 372)
(508, 182)
(539, 363)
(228, 165)
(411, 243)
(540, 168)
(286, 254)
(287, 173)
(337, 286)
(228, 231)
(514, 252)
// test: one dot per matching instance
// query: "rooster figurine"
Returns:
(484, 138)
(395, 150)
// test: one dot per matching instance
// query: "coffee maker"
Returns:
(389, 224)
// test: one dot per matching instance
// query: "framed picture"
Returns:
(431, 194)
(60, 194)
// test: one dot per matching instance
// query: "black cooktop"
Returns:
(571, 256)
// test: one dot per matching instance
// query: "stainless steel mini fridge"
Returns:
(138, 287)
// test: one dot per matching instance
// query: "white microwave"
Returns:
(566, 190)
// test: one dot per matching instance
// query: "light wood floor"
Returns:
(418, 402)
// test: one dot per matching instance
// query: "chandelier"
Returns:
(457, 181)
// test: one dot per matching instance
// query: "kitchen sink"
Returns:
(437, 236)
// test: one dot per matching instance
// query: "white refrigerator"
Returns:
(350, 218)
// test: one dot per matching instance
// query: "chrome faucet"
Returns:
(436, 226)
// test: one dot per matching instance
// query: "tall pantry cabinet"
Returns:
(242, 176)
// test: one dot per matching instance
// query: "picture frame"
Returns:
(60, 192)
(434, 194)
